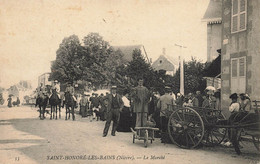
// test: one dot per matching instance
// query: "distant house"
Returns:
(166, 63)
(44, 79)
(13, 90)
(240, 52)
(20, 90)
(213, 17)
(128, 51)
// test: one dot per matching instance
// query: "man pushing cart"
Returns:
(141, 97)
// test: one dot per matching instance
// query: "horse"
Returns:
(70, 105)
(55, 102)
(42, 101)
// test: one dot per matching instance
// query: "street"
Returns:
(24, 138)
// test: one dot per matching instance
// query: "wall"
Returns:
(213, 40)
(240, 44)
(44, 78)
(253, 41)
(163, 63)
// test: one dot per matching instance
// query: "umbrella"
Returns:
(210, 88)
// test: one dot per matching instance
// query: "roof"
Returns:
(214, 69)
(164, 63)
(173, 60)
(127, 51)
(213, 14)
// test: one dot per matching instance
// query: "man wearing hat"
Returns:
(95, 105)
(141, 96)
(70, 89)
(115, 105)
(40, 90)
(83, 105)
(165, 104)
(56, 87)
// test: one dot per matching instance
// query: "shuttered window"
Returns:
(242, 67)
(238, 75)
(234, 68)
(238, 20)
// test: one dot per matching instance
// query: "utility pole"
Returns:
(181, 69)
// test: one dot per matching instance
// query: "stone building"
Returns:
(44, 79)
(213, 17)
(240, 51)
(166, 63)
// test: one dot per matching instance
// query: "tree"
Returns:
(138, 67)
(100, 50)
(72, 61)
(193, 77)
(114, 63)
(87, 62)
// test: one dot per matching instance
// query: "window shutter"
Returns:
(242, 21)
(235, 20)
(242, 17)
(235, 7)
(234, 68)
(242, 67)
(238, 18)
(242, 5)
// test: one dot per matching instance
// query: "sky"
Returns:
(31, 30)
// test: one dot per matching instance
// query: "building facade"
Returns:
(213, 17)
(44, 79)
(164, 62)
(240, 49)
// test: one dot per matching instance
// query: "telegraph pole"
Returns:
(181, 69)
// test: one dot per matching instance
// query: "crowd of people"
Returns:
(139, 107)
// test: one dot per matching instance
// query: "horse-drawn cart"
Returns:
(190, 126)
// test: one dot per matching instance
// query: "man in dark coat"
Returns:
(115, 105)
(141, 96)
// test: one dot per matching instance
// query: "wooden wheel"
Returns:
(215, 136)
(256, 141)
(185, 128)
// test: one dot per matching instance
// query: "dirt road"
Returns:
(24, 138)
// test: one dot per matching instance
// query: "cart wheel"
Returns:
(256, 141)
(214, 136)
(185, 128)
(133, 138)
(146, 138)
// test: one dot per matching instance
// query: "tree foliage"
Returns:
(94, 61)
(193, 77)
(72, 61)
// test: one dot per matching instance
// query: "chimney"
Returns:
(163, 50)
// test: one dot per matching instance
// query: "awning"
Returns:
(214, 69)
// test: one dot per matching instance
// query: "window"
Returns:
(238, 18)
(238, 75)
